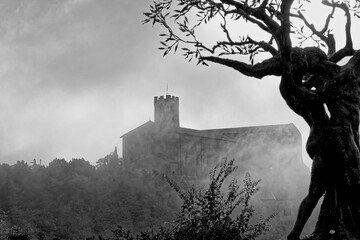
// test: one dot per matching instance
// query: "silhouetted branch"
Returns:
(298, 98)
(259, 14)
(329, 40)
(347, 50)
(265, 45)
(267, 67)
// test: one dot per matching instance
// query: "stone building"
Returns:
(164, 146)
(272, 153)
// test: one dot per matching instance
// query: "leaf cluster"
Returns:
(182, 21)
(210, 214)
(74, 200)
(183, 18)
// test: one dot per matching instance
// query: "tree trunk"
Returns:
(329, 102)
(340, 211)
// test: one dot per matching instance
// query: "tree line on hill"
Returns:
(75, 200)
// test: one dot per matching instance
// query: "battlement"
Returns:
(167, 110)
(165, 98)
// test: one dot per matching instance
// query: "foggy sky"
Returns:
(78, 74)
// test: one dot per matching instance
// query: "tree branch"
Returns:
(258, 13)
(267, 67)
(347, 50)
(266, 46)
(327, 22)
(246, 16)
(298, 98)
(329, 40)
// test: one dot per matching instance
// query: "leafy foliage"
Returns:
(184, 21)
(210, 214)
(75, 200)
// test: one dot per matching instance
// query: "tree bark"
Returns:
(333, 145)
(339, 150)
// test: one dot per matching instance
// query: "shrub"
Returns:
(210, 214)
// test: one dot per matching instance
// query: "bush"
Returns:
(210, 214)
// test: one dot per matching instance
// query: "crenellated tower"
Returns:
(167, 111)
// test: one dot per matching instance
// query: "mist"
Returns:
(76, 75)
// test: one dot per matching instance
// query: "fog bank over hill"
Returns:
(76, 75)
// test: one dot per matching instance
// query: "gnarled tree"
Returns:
(313, 84)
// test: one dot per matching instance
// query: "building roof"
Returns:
(225, 134)
(139, 128)
(235, 133)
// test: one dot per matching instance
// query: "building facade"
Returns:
(271, 153)
(164, 146)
